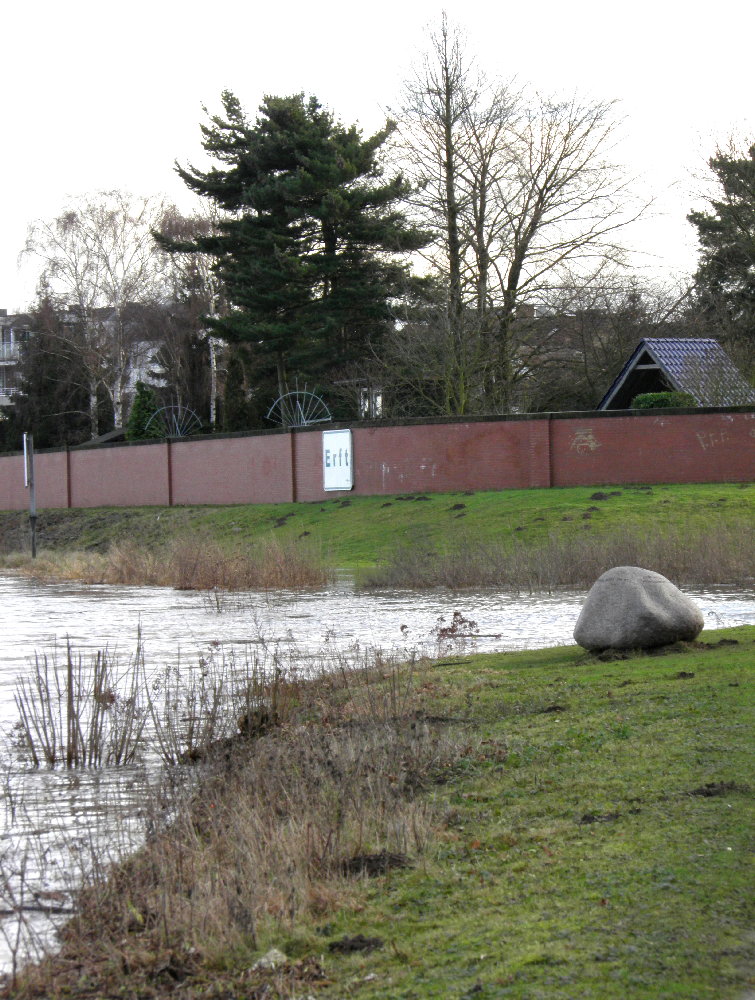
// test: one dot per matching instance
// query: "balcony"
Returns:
(7, 395)
(10, 352)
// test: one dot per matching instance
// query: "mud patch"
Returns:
(612, 655)
(347, 945)
(713, 789)
(589, 818)
(375, 864)
(281, 521)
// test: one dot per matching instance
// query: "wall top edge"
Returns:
(412, 422)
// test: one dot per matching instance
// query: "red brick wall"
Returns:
(434, 458)
(119, 477)
(565, 450)
(694, 448)
(232, 470)
(51, 481)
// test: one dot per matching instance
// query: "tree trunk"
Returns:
(213, 381)
(282, 381)
(94, 420)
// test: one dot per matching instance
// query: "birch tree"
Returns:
(197, 289)
(100, 256)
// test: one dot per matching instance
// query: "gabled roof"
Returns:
(699, 366)
(19, 321)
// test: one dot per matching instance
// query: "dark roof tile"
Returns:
(699, 366)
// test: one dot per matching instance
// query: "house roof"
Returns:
(699, 366)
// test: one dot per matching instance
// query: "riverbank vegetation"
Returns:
(187, 563)
(702, 555)
(545, 823)
(520, 538)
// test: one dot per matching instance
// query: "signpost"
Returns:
(337, 460)
(29, 485)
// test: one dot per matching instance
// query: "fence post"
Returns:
(292, 447)
(29, 484)
(69, 490)
(169, 470)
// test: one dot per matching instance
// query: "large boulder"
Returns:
(633, 608)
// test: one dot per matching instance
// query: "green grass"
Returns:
(576, 860)
(593, 841)
(354, 532)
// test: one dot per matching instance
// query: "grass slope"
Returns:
(594, 841)
(596, 845)
(354, 532)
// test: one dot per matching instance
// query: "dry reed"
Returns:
(187, 564)
(705, 556)
(195, 711)
(278, 822)
(78, 713)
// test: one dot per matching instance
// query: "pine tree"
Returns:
(309, 252)
(236, 415)
(143, 409)
(726, 275)
(53, 401)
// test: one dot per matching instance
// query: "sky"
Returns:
(97, 96)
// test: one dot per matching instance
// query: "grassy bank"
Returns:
(358, 532)
(545, 824)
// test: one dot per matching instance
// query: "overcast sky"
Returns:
(98, 96)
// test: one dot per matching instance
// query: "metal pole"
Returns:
(29, 484)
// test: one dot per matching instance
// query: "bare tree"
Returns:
(434, 115)
(430, 364)
(589, 328)
(99, 254)
(195, 284)
(519, 187)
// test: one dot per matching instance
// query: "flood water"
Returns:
(54, 822)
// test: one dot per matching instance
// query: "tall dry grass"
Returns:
(188, 564)
(80, 712)
(197, 711)
(91, 711)
(716, 554)
(278, 823)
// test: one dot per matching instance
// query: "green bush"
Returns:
(143, 409)
(659, 400)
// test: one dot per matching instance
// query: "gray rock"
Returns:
(633, 608)
(271, 960)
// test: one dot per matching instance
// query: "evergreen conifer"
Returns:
(309, 252)
(143, 409)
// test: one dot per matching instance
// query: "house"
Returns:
(124, 341)
(14, 331)
(698, 366)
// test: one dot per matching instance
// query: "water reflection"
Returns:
(55, 822)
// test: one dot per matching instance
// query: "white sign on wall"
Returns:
(337, 460)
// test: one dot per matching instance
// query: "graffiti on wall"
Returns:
(584, 441)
